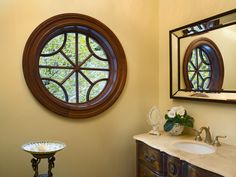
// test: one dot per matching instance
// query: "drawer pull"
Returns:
(150, 159)
(172, 169)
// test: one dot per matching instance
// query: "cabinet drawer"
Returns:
(143, 171)
(173, 166)
(194, 171)
(150, 156)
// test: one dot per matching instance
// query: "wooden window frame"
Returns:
(117, 64)
(216, 60)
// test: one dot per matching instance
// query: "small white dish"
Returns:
(43, 147)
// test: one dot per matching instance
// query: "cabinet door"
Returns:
(144, 171)
(194, 171)
(173, 166)
(151, 157)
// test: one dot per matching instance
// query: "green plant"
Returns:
(177, 115)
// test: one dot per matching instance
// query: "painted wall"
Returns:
(101, 146)
(172, 14)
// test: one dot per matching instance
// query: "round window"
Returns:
(74, 65)
(203, 68)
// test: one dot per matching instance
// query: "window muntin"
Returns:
(80, 81)
(74, 67)
(199, 70)
(203, 68)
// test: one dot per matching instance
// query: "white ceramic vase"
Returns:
(177, 129)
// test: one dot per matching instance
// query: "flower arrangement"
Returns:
(177, 115)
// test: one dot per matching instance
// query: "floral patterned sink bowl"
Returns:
(43, 147)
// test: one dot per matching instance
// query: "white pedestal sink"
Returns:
(194, 147)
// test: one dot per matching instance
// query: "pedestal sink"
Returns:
(194, 147)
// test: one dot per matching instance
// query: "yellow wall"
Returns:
(101, 146)
(172, 14)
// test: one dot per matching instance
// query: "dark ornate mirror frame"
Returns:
(193, 29)
(116, 80)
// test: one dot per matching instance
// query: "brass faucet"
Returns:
(208, 138)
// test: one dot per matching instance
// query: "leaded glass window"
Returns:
(74, 65)
(199, 70)
(203, 68)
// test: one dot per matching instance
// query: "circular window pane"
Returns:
(74, 65)
(76, 71)
(203, 67)
(199, 69)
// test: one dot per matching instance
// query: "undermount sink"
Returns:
(194, 147)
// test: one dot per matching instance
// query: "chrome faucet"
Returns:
(208, 138)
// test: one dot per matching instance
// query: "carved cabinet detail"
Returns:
(152, 162)
(145, 171)
(193, 171)
(151, 157)
(173, 166)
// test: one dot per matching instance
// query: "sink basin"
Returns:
(194, 147)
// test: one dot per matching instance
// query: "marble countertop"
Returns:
(222, 162)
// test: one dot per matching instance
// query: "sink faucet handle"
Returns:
(216, 142)
(198, 135)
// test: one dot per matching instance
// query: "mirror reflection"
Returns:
(202, 58)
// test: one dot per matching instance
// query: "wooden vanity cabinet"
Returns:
(193, 171)
(173, 166)
(144, 171)
(152, 162)
(149, 161)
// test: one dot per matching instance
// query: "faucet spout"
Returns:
(208, 138)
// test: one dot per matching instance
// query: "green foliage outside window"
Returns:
(56, 64)
(199, 70)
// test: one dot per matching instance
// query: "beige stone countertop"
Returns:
(222, 162)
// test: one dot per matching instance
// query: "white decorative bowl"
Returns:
(177, 129)
(43, 147)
